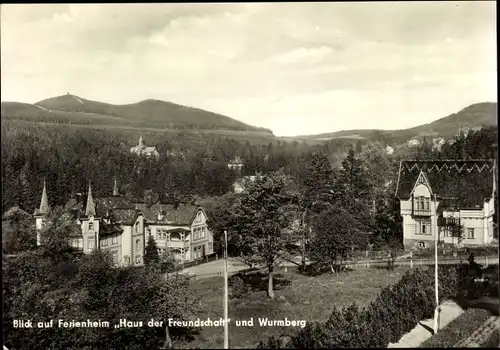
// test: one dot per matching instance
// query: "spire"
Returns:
(141, 141)
(90, 209)
(44, 204)
(115, 188)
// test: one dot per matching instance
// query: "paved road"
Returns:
(235, 265)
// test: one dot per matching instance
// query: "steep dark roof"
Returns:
(103, 204)
(182, 214)
(470, 182)
(124, 211)
(125, 216)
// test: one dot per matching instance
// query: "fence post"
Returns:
(206, 258)
(366, 253)
(216, 256)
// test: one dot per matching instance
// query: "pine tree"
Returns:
(151, 256)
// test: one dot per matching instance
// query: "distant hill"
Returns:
(476, 115)
(70, 109)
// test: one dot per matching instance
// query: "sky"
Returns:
(296, 68)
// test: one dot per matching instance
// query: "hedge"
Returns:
(395, 312)
(493, 341)
(458, 329)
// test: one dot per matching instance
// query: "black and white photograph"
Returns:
(280, 175)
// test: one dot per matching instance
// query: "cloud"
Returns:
(264, 63)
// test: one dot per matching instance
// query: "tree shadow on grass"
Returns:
(258, 281)
(313, 270)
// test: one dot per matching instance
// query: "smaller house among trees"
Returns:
(142, 149)
(236, 164)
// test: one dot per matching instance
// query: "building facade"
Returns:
(436, 197)
(123, 228)
(142, 150)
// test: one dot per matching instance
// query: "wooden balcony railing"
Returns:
(421, 212)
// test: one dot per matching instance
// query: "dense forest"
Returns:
(341, 190)
(68, 158)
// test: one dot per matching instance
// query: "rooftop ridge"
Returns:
(431, 166)
(447, 160)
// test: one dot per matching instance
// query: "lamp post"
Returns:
(226, 326)
(436, 279)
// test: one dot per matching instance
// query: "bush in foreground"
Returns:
(395, 312)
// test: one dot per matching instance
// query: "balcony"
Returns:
(421, 212)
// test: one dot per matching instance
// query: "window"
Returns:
(115, 240)
(104, 242)
(210, 245)
(421, 244)
(470, 233)
(114, 254)
(162, 234)
(148, 230)
(422, 203)
(137, 259)
(91, 226)
(91, 243)
(423, 227)
(137, 227)
(137, 244)
(127, 259)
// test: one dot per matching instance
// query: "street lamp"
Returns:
(436, 279)
(226, 326)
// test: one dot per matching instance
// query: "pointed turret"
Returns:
(115, 188)
(90, 208)
(44, 203)
(141, 141)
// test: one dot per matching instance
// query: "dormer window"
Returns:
(91, 226)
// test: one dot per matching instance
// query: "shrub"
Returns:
(238, 287)
(395, 312)
(458, 329)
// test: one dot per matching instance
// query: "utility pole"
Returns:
(436, 279)
(226, 326)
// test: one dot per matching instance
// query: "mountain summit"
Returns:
(148, 113)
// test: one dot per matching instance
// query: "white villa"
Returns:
(178, 227)
(433, 194)
(236, 164)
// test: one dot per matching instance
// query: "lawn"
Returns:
(298, 297)
(458, 329)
